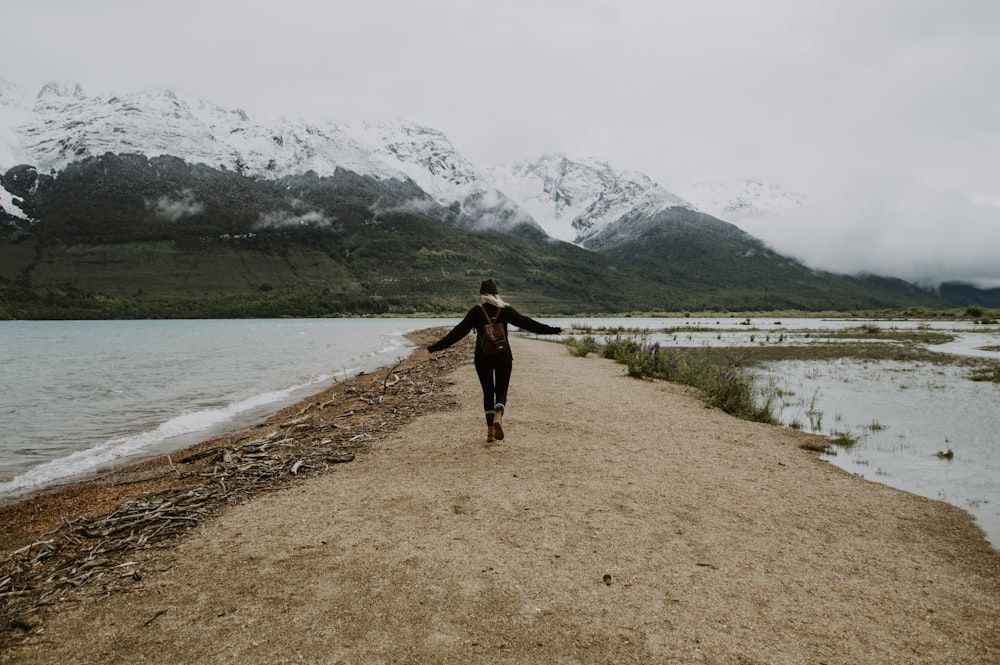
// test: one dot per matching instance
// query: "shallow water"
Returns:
(901, 414)
(726, 331)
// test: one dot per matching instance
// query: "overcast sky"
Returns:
(885, 112)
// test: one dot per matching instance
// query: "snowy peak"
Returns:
(14, 110)
(571, 199)
(743, 200)
(574, 199)
(57, 96)
(425, 155)
(66, 125)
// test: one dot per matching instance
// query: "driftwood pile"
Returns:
(110, 549)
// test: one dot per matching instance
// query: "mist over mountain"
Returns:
(113, 193)
(738, 201)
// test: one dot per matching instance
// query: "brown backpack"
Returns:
(494, 338)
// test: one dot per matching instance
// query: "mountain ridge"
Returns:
(71, 125)
(380, 205)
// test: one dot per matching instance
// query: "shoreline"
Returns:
(42, 509)
(55, 517)
(363, 416)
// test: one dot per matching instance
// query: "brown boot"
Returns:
(498, 425)
(490, 432)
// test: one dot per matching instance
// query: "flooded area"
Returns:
(923, 426)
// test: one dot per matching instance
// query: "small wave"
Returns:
(198, 409)
(84, 462)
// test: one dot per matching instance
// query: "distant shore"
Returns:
(619, 520)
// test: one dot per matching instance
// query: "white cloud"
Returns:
(915, 232)
(172, 208)
(492, 210)
(280, 218)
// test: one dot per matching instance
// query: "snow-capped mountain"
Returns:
(744, 200)
(14, 111)
(361, 200)
(8, 205)
(65, 125)
(425, 155)
(575, 199)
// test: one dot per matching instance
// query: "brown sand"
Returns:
(619, 521)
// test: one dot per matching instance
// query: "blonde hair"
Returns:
(494, 300)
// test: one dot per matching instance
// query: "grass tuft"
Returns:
(844, 439)
(583, 346)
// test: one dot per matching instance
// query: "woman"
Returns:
(493, 369)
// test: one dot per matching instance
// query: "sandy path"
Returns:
(620, 521)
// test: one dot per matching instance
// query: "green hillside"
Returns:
(124, 236)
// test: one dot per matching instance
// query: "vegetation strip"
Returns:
(726, 386)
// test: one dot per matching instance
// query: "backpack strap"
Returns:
(487, 315)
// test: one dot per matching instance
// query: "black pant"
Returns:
(494, 379)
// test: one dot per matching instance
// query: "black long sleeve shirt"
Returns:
(476, 319)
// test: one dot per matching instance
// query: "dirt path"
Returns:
(619, 521)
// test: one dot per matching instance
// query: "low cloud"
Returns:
(285, 218)
(172, 208)
(487, 210)
(414, 206)
(492, 210)
(900, 229)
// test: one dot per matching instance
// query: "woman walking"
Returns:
(493, 361)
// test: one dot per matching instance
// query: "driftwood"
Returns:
(109, 548)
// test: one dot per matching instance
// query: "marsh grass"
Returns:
(844, 439)
(986, 372)
(823, 448)
(875, 426)
(860, 350)
(725, 383)
(904, 347)
(814, 414)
